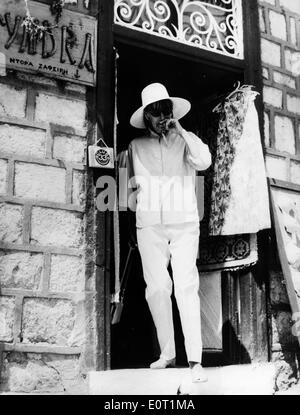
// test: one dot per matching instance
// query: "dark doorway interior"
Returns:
(133, 340)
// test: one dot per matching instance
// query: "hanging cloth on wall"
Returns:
(239, 199)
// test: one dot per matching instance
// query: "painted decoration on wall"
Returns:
(65, 49)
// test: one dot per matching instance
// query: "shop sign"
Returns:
(66, 50)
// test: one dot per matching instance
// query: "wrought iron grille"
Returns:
(215, 25)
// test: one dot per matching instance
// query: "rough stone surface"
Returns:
(12, 101)
(7, 306)
(55, 227)
(292, 5)
(30, 373)
(283, 79)
(70, 149)
(62, 111)
(67, 273)
(21, 270)
(278, 292)
(276, 167)
(79, 190)
(11, 223)
(272, 96)
(287, 369)
(293, 30)
(34, 181)
(295, 172)
(278, 25)
(284, 134)
(282, 328)
(22, 141)
(3, 176)
(267, 129)
(292, 61)
(49, 321)
(293, 104)
(270, 53)
(262, 22)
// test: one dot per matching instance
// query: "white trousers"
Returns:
(178, 243)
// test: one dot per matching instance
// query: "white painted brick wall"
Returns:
(67, 274)
(270, 53)
(62, 111)
(22, 141)
(34, 181)
(21, 270)
(70, 149)
(272, 96)
(3, 176)
(56, 227)
(276, 168)
(283, 79)
(284, 134)
(12, 101)
(11, 223)
(293, 104)
(278, 25)
(293, 5)
(293, 31)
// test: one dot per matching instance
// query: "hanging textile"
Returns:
(239, 199)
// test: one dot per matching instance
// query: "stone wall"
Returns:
(46, 292)
(280, 43)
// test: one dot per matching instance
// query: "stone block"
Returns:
(278, 25)
(67, 274)
(47, 321)
(292, 61)
(276, 167)
(7, 317)
(284, 134)
(286, 369)
(35, 181)
(12, 101)
(22, 141)
(283, 79)
(265, 73)
(272, 96)
(3, 176)
(72, 149)
(61, 111)
(295, 172)
(262, 22)
(34, 373)
(56, 227)
(267, 129)
(270, 53)
(79, 188)
(273, 2)
(293, 28)
(21, 270)
(11, 223)
(292, 5)
(278, 293)
(293, 104)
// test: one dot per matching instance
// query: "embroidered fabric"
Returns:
(239, 198)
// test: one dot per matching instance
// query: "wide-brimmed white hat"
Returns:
(153, 93)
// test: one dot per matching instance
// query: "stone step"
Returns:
(250, 379)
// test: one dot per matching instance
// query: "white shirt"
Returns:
(163, 172)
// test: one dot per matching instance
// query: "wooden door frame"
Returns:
(254, 325)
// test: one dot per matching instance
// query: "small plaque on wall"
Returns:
(65, 50)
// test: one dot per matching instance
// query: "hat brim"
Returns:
(181, 107)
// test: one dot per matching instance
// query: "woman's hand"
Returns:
(173, 126)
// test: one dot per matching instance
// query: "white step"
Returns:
(250, 379)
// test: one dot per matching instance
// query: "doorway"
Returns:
(133, 340)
